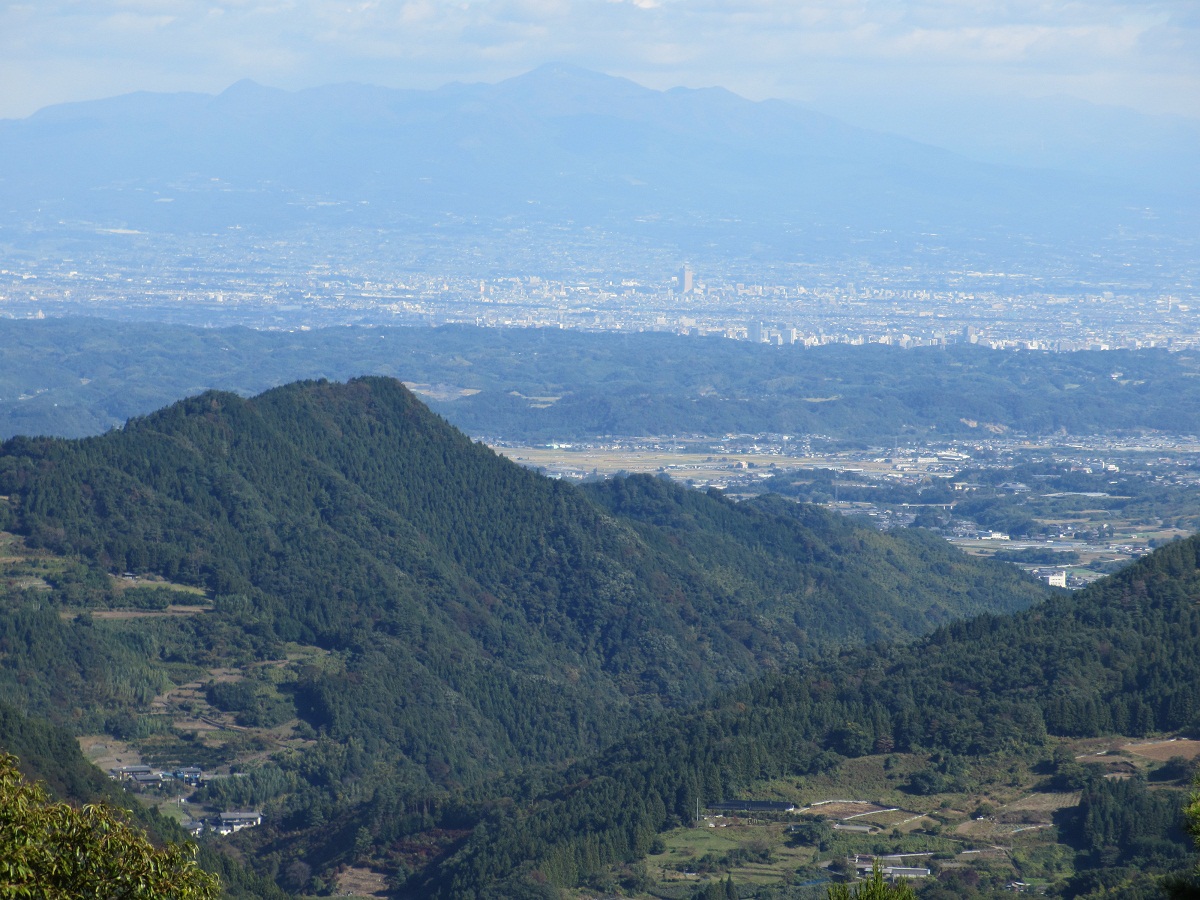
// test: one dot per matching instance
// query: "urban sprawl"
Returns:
(993, 309)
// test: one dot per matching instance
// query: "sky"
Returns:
(860, 57)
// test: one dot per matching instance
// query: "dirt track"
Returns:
(136, 613)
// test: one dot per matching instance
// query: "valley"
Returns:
(456, 704)
(435, 468)
(1081, 507)
(1003, 823)
(460, 646)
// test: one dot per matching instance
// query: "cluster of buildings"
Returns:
(894, 867)
(139, 777)
(799, 306)
(225, 823)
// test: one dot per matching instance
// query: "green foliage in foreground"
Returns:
(54, 850)
(873, 888)
(1187, 887)
(51, 756)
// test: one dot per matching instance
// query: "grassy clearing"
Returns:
(23, 568)
(753, 853)
(107, 752)
(122, 583)
(360, 882)
(996, 824)
(1161, 751)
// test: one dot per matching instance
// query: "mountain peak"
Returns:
(563, 89)
(563, 70)
(249, 95)
(242, 87)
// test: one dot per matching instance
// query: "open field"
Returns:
(360, 882)
(844, 809)
(1161, 751)
(1043, 802)
(1000, 823)
(694, 855)
(123, 583)
(441, 392)
(1095, 531)
(709, 468)
(107, 752)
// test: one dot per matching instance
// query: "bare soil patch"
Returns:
(68, 615)
(106, 752)
(360, 882)
(1161, 751)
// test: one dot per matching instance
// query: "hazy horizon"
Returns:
(915, 64)
(1060, 132)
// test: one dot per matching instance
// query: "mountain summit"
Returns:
(556, 146)
(349, 518)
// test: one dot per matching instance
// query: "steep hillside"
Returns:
(396, 613)
(1120, 657)
(347, 516)
(838, 579)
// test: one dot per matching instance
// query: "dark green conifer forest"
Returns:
(1117, 657)
(489, 683)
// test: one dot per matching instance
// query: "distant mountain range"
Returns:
(559, 146)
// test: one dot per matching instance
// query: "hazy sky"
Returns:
(1142, 55)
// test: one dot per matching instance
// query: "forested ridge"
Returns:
(438, 616)
(73, 378)
(1118, 657)
(326, 511)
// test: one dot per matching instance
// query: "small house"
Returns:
(229, 822)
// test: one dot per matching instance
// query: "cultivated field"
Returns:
(1161, 751)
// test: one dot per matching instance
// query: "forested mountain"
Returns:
(488, 683)
(331, 511)
(434, 615)
(72, 378)
(1118, 657)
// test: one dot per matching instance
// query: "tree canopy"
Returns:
(873, 888)
(51, 850)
